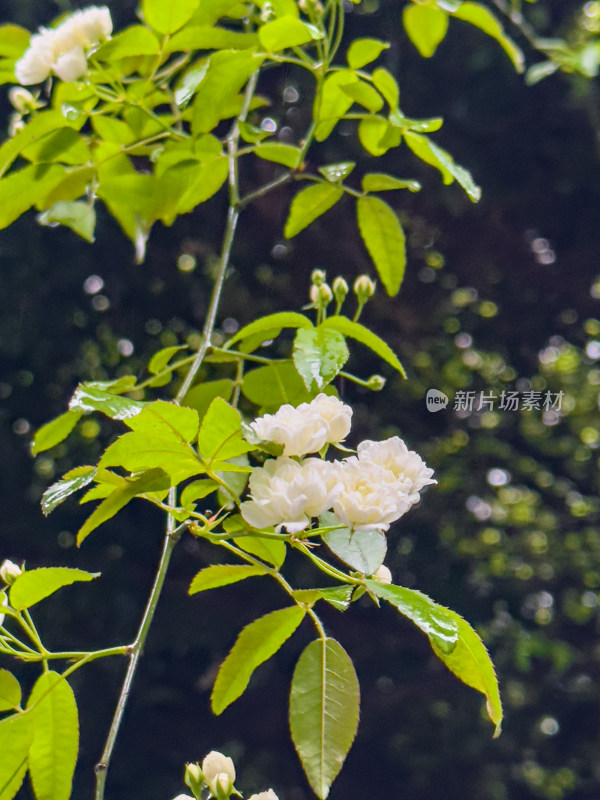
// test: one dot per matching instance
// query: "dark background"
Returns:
(498, 295)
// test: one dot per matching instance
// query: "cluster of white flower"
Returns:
(62, 50)
(218, 774)
(368, 491)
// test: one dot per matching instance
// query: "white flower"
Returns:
(410, 473)
(307, 428)
(183, 797)
(9, 571)
(3, 602)
(382, 574)
(216, 767)
(62, 50)
(368, 499)
(268, 795)
(288, 495)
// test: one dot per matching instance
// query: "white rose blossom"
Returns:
(410, 473)
(61, 50)
(307, 428)
(368, 499)
(268, 795)
(218, 771)
(288, 494)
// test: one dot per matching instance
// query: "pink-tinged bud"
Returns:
(340, 290)
(364, 288)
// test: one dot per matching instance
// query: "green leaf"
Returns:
(384, 238)
(205, 37)
(381, 182)
(153, 480)
(280, 153)
(79, 216)
(256, 643)
(201, 395)
(14, 40)
(228, 72)
(197, 490)
(309, 204)
(287, 31)
(385, 83)
(319, 354)
(161, 418)
(168, 17)
(283, 319)
(134, 41)
(212, 10)
(338, 596)
(432, 154)
(470, 662)
(220, 435)
(377, 135)
(364, 51)
(25, 188)
(358, 332)
(335, 173)
(332, 103)
(136, 452)
(53, 751)
(160, 359)
(362, 550)
(270, 387)
(10, 691)
(482, 18)
(16, 734)
(364, 94)
(39, 126)
(37, 584)
(324, 709)
(54, 432)
(64, 145)
(426, 27)
(89, 397)
(223, 575)
(71, 482)
(431, 618)
(269, 550)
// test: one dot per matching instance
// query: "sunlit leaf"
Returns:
(280, 153)
(71, 482)
(324, 709)
(53, 753)
(134, 41)
(206, 37)
(337, 172)
(363, 51)
(364, 94)
(384, 238)
(202, 394)
(482, 18)
(223, 575)
(161, 418)
(10, 691)
(426, 27)
(319, 354)
(332, 103)
(377, 135)
(36, 584)
(89, 397)
(220, 434)
(54, 432)
(361, 550)
(309, 204)
(432, 154)
(16, 734)
(285, 32)
(280, 320)
(381, 182)
(470, 662)
(358, 332)
(385, 83)
(153, 480)
(14, 40)
(269, 387)
(79, 216)
(256, 643)
(168, 17)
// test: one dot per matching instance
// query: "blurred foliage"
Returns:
(500, 296)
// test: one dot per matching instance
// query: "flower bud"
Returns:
(193, 778)
(219, 773)
(382, 574)
(222, 786)
(21, 100)
(9, 572)
(376, 383)
(364, 288)
(268, 795)
(340, 290)
(16, 123)
(318, 276)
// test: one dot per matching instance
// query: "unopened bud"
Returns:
(382, 574)
(9, 572)
(340, 290)
(217, 771)
(321, 296)
(16, 123)
(21, 100)
(222, 786)
(193, 778)
(318, 276)
(376, 383)
(364, 288)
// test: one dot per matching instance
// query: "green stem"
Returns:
(173, 533)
